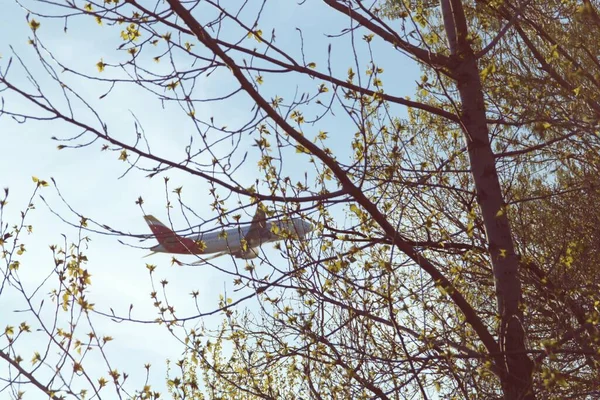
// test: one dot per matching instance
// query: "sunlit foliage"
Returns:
(456, 235)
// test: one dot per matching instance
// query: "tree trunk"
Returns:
(516, 381)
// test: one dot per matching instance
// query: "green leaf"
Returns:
(356, 210)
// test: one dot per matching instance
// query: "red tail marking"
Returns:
(172, 242)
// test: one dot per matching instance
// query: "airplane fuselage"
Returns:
(236, 241)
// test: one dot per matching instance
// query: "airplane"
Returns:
(241, 242)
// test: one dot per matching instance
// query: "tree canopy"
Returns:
(456, 238)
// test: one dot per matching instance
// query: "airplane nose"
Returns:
(307, 228)
(301, 227)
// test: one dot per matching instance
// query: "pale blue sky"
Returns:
(88, 177)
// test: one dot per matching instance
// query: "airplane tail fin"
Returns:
(169, 241)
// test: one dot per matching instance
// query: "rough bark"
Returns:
(516, 381)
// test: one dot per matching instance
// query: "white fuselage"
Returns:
(231, 240)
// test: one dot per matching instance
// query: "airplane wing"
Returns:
(259, 230)
(203, 260)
